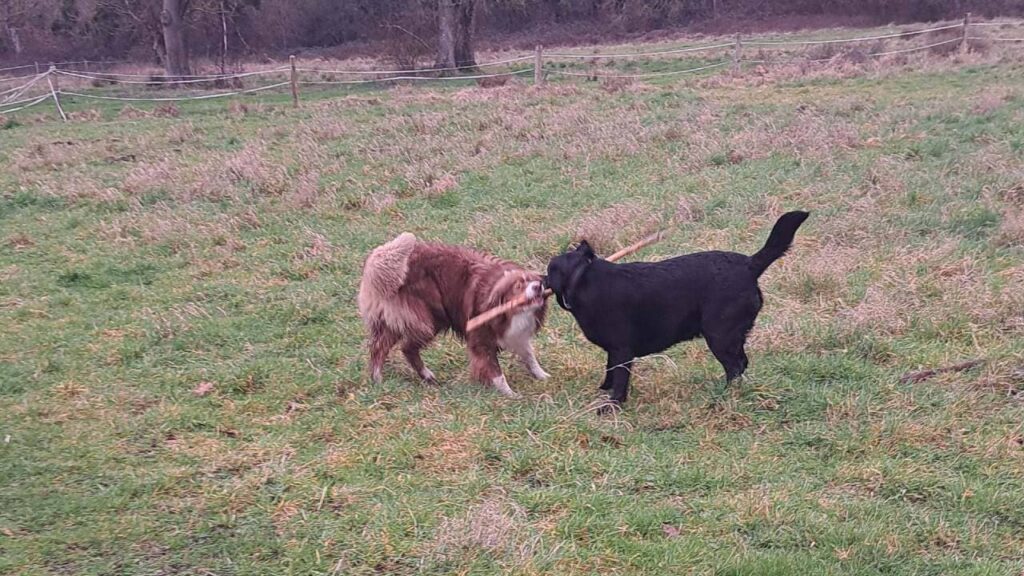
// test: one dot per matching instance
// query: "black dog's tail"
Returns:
(778, 241)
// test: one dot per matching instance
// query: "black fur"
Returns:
(643, 308)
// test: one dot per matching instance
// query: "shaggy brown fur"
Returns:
(411, 291)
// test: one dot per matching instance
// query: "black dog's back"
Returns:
(643, 308)
(654, 305)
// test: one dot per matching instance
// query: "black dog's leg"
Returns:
(607, 383)
(620, 365)
(730, 353)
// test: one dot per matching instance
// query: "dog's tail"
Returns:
(778, 241)
(384, 273)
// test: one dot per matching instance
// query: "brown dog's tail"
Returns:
(384, 273)
(778, 242)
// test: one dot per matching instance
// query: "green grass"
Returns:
(141, 256)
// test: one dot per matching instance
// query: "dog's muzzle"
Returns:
(534, 290)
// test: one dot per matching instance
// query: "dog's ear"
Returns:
(585, 249)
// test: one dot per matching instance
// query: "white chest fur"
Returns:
(520, 330)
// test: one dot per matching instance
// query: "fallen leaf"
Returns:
(670, 531)
(203, 389)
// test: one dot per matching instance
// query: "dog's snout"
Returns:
(534, 289)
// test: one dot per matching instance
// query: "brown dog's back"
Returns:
(420, 287)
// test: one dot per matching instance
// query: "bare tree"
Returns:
(455, 34)
(172, 22)
(464, 54)
(224, 13)
(12, 14)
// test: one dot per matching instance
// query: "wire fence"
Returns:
(20, 91)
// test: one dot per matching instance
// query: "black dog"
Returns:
(643, 308)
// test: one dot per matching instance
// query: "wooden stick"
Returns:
(521, 301)
(656, 237)
(51, 79)
(915, 377)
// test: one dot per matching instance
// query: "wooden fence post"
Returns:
(37, 68)
(737, 57)
(963, 34)
(538, 66)
(295, 83)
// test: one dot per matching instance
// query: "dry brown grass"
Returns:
(129, 112)
(497, 526)
(182, 133)
(449, 455)
(50, 155)
(809, 136)
(88, 115)
(617, 226)
(251, 167)
(1011, 227)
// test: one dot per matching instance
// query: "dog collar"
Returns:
(571, 286)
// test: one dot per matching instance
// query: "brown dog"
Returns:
(412, 291)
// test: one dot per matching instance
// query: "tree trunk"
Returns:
(224, 38)
(446, 20)
(455, 34)
(12, 33)
(7, 15)
(464, 56)
(176, 50)
(158, 48)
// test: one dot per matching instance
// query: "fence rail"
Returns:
(30, 90)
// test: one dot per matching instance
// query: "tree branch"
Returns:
(418, 39)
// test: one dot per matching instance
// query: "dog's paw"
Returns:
(501, 385)
(540, 374)
(428, 377)
(610, 407)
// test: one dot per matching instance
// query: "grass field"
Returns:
(182, 367)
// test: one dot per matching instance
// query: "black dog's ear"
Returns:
(586, 250)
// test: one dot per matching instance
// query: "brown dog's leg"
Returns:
(524, 350)
(483, 363)
(382, 340)
(411, 350)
